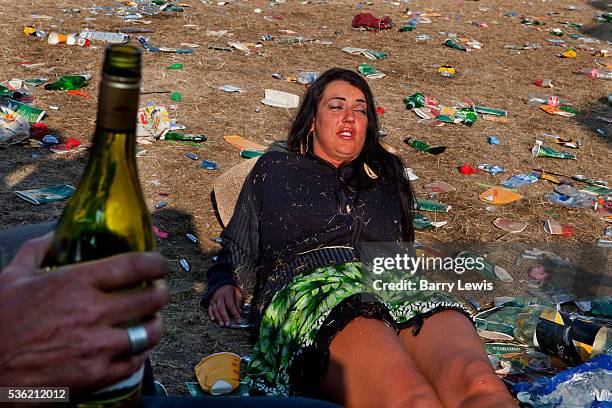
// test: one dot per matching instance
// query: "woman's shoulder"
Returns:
(275, 158)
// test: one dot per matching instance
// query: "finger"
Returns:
(32, 253)
(218, 317)
(122, 270)
(154, 328)
(233, 307)
(137, 304)
(222, 309)
(239, 298)
(121, 369)
(211, 314)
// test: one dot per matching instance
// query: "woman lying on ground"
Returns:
(295, 232)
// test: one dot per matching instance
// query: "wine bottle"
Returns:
(107, 214)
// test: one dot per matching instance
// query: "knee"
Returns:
(482, 388)
(402, 390)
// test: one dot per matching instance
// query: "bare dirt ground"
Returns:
(493, 76)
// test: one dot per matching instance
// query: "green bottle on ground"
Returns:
(68, 83)
(416, 100)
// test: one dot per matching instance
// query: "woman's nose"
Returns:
(349, 115)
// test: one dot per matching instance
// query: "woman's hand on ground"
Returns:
(226, 300)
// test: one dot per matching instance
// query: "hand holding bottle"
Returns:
(63, 328)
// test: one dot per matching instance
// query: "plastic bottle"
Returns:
(534, 99)
(114, 38)
(68, 83)
(307, 78)
(70, 39)
(596, 73)
(416, 100)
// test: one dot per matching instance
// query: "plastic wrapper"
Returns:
(586, 385)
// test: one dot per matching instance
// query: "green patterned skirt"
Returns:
(292, 351)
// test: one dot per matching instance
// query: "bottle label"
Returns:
(122, 393)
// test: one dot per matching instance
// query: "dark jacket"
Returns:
(291, 204)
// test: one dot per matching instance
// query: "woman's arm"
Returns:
(240, 253)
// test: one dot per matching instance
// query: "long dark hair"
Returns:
(385, 164)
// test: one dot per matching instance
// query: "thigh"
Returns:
(369, 367)
(450, 354)
(11, 239)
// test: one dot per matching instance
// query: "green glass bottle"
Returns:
(107, 214)
(416, 144)
(68, 83)
(416, 100)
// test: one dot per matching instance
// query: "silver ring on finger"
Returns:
(139, 339)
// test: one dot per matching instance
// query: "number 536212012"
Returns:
(34, 394)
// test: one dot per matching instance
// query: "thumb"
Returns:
(32, 253)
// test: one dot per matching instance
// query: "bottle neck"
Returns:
(118, 104)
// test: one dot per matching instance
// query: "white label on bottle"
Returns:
(128, 382)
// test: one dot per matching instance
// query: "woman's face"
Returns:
(340, 124)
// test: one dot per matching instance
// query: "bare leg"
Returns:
(369, 367)
(450, 355)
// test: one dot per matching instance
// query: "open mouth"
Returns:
(346, 134)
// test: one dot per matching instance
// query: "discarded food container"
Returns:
(219, 373)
